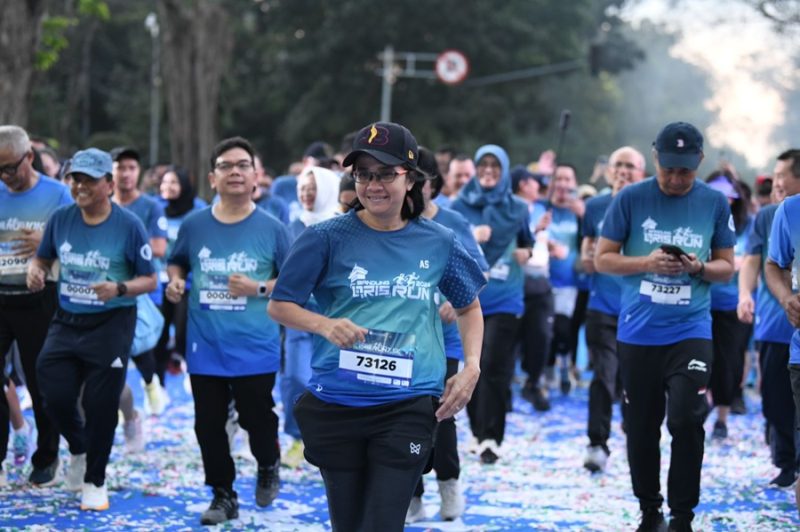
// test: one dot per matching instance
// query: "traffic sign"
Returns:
(451, 67)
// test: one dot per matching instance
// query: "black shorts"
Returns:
(337, 437)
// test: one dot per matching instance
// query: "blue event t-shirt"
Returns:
(725, 296)
(151, 212)
(29, 209)
(116, 250)
(285, 188)
(784, 239)
(230, 336)
(605, 290)
(458, 224)
(564, 229)
(771, 323)
(662, 310)
(384, 281)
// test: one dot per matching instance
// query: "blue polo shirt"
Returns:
(784, 240)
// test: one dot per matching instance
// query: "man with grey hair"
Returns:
(27, 199)
(626, 166)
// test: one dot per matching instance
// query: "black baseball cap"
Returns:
(679, 145)
(390, 143)
(124, 152)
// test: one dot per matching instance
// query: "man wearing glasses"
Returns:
(234, 250)
(27, 199)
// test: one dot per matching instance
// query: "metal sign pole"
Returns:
(388, 81)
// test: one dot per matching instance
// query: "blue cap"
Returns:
(92, 162)
(679, 145)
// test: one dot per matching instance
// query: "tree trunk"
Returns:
(20, 30)
(197, 43)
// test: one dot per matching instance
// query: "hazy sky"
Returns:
(746, 60)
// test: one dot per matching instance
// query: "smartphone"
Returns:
(675, 251)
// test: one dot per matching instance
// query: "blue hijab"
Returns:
(496, 207)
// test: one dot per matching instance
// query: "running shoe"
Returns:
(785, 478)
(268, 484)
(596, 458)
(738, 406)
(680, 524)
(93, 497)
(155, 402)
(134, 434)
(452, 499)
(43, 477)
(75, 472)
(223, 507)
(416, 511)
(652, 521)
(490, 452)
(22, 443)
(720, 431)
(294, 457)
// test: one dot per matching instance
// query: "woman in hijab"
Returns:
(176, 190)
(318, 193)
(499, 221)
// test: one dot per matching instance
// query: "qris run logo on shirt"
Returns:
(404, 285)
(92, 259)
(682, 236)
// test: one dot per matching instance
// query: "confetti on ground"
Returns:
(539, 483)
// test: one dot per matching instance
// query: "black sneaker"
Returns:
(268, 484)
(488, 457)
(784, 479)
(537, 397)
(738, 406)
(43, 477)
(720, 431)
(225, 506)
(680, 524)
(652, 521)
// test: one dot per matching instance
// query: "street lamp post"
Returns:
(151, 23)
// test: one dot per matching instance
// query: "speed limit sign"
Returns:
(452, 67)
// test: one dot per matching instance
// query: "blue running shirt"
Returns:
(230, 336)
(784, 240)
(725, 296)
(25, 210)
(454, 221)
(605, 290)
(662, 310)
(771, 323)
(385, 281)
(564, 229)
(115, 250)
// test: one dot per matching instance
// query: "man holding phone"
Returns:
(664, 330)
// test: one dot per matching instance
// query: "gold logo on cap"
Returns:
(373, 132)
(411, 155)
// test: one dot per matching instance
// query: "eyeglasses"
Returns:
(488, 163)
(384, 175)
(627, 166)
(242, 166)
(11, 169)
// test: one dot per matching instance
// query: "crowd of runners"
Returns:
(381, 289)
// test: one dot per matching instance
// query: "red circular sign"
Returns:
(452, 67)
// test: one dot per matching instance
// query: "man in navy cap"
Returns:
(669, 236)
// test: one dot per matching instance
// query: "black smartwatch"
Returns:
(262, 289)
(122, 289)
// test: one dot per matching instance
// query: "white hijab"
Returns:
(326, 203)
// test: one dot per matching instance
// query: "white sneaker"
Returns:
(452, 499)
(596, 458)
(94, 497)
(134, 434)
(75, 472)
(154, 403)
(416, 511)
